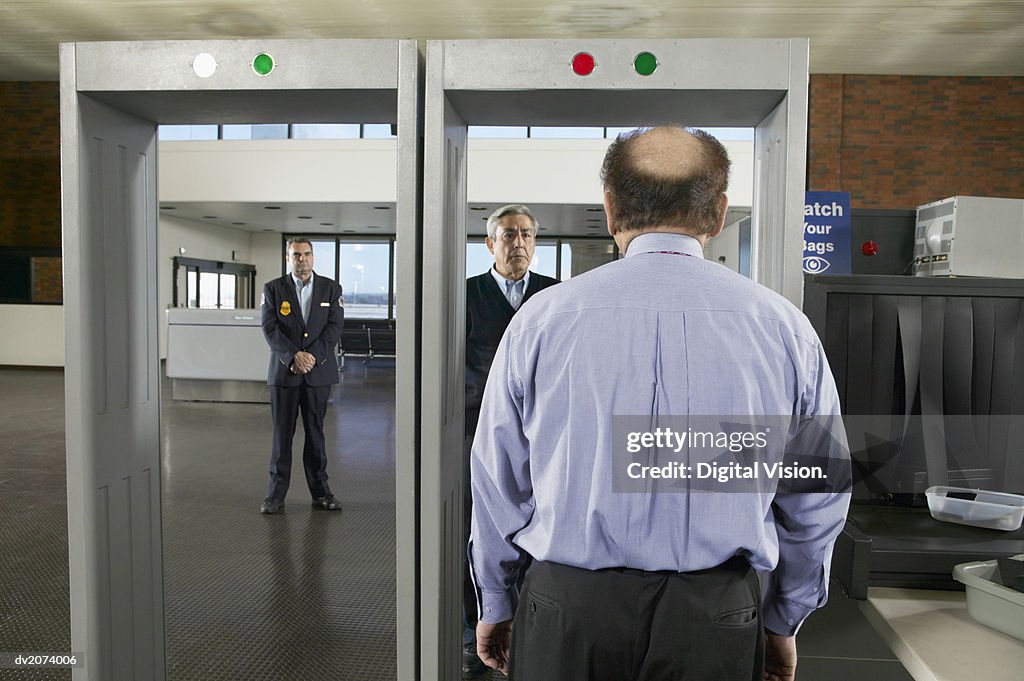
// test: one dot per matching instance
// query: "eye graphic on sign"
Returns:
(815, 265)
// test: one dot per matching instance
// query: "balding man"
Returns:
(657, 581)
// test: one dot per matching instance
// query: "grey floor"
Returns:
(307, 595)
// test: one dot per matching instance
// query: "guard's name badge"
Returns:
(325, 304)
(286, 308)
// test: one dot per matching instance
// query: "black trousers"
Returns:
(285, 405)
(631, 625)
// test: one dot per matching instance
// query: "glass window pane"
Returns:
(172, 133)
(586, 255)
(565, 132)
(325, 131)
(377, 131)
(566, 272)
(236, 132)
(191, 291)
(544, 256)
(478, 258)
(364, 272)
(498, 131)
(208, 290)
(325, 259)
(394, 280)
(227, 291)
(270, 132)
(612, 133)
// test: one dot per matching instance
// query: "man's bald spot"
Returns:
(669, 153)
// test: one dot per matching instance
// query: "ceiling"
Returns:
(901, 37)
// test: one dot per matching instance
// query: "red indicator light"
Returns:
(583, 64)
(869, 248)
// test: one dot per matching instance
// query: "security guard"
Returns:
(302, 317)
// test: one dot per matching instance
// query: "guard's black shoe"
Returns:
(328, 503)
(270, 506)
(472, 666)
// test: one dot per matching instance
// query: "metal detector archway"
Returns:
(750, 83)
(113, 95)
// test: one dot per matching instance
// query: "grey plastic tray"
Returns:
(990, 603)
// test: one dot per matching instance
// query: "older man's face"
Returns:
(512, 246)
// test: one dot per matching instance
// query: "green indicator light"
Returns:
(645, 63)
(263, 64)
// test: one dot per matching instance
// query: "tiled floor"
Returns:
(307, 595)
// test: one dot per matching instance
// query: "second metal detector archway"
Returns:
(113, 95)
(760, 84)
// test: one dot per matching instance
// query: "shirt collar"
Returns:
(501, 280)
(650, 242)
(298, 282)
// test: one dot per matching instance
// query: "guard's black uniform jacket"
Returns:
(287, 334)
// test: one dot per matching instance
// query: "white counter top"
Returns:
(936, 639)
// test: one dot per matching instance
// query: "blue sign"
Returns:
(827, 233)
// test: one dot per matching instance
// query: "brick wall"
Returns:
(47, 280)
(29, 164)
(30, 176)
(901, 141)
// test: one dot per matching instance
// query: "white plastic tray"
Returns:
(992, 604)
(993, 510)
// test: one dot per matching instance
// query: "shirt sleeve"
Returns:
(502, 490)
(807, 521)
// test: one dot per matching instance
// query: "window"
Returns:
(325, 257)
(187, 132)
(365, 268)
(277, 131)
(378, 131)
(566, 132)
(478, 258)
(544, 256)
(325, 131)
(209, 284)
(364, 272)
(497, 131)
(565, 272)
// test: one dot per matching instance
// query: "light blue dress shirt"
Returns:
(509, 288)
(305, 293)
(659, 332)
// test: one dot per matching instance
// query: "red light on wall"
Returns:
(583, 64)
(869, 248)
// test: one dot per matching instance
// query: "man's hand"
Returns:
(492, 641)
(779, 657)
(303, 362)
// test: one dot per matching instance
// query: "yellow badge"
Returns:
(286, 308)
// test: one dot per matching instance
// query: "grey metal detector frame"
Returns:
(113, 95)
(755, 83)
